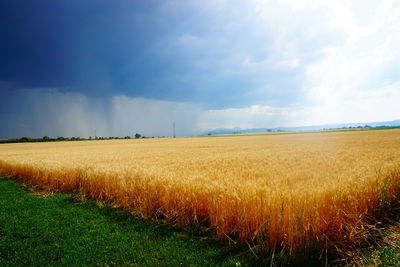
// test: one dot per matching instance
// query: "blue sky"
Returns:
(69, 67)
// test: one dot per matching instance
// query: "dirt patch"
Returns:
(392, 239)
(389, 238)
(43, 193)
(38, 191)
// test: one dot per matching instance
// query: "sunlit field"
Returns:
(294, 192)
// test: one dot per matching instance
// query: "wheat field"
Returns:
(294, 192)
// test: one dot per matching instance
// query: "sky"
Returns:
(114, 68)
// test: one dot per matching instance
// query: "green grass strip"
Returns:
(57, 230)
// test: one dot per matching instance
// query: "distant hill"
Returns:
(303, 128)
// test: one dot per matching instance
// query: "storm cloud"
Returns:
(49, 112)
(71, 67)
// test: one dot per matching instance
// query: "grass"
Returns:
(383, 257)
(387, 251)
(57, 230)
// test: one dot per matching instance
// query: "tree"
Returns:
(25, 139)
(46, 138)
(137, 136)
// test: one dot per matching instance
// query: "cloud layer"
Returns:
(134, 66)
(54, 113)
(38, 112)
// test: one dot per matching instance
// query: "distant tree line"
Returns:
(46, 138)
(364, 127)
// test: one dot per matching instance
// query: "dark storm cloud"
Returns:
(77, 45)
(169, 50)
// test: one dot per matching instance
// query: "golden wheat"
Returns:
(286, 191)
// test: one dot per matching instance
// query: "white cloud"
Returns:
(352, 82)
(357, 106)
(256, 116)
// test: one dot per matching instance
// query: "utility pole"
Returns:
(173, 129)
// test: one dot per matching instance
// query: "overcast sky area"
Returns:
(70, 68)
